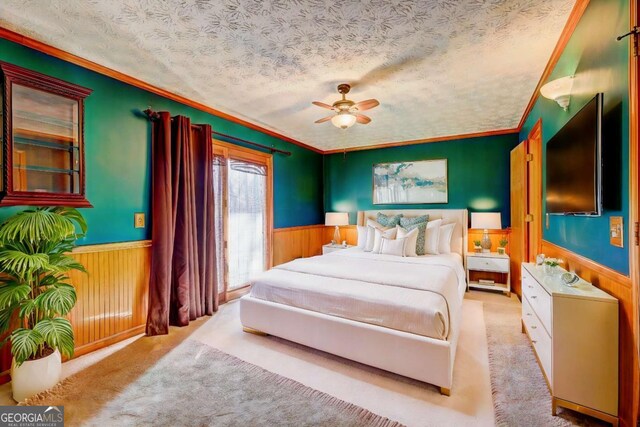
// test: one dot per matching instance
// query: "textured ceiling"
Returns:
(438, 67)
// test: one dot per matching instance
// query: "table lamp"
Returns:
(337, 219)
(486, 221)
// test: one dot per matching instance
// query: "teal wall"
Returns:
(478, 175)
(600, 64)
(118, 153)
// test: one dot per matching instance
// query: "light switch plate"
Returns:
(138, 220)
(616, 231)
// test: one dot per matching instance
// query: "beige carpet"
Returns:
(409, 402)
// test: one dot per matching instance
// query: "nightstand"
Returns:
(330, 247)
(489, 271)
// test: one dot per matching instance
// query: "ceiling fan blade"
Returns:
(366, 105)
(362, 119)
(323, 105)
(324, 119)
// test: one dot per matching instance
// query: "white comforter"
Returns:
(420, 295)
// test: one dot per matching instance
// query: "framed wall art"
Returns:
(422, 181)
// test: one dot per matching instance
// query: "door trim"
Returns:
(231, 151)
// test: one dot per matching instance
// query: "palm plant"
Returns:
(34, 286)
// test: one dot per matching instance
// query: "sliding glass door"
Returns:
(242, 181)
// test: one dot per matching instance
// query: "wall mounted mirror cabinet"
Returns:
(42, 140)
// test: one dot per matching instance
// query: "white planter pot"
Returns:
(35, 376)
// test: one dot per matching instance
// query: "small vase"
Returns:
(550, 270)
(501, 251)
(477, 249)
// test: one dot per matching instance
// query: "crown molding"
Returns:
(109, 72)
(425, 140)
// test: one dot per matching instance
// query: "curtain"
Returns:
(183, 263)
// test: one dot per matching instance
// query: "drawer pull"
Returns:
(530, 287)
(534, 327)
(534, 341)
(528, 314)
(533, 297)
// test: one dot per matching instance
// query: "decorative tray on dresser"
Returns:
(574, 333)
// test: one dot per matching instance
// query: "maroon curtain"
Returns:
(182, 285)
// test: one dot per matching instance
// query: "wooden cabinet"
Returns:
(574, 332)
(42, 140)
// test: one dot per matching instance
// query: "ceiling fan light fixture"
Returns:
(343, 120)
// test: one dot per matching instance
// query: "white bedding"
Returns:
(420, 295)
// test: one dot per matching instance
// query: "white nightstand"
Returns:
(330, 247)
(479, 263)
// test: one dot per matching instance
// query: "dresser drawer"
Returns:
(540, 339)
(539, 299)
(499, 265)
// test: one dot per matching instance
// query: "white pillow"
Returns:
(411, 237)
(392, 247)
(362, 236)
(379, 234)
(444, 238)
(431, 237)
(372, 226)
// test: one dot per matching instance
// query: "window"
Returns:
(43, 163)
(243, 215)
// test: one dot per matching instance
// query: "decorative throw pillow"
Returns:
(388, 220)
(422, 228)
(431, 237)
(392, 247)
(407, 221)
(362, 236)
(411, 237)
(379, 234)
(444, 238)
(372, 226)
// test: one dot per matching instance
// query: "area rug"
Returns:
(196, 385)
(520, 393)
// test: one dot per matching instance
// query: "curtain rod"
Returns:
(153, 115)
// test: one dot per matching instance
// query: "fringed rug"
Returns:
(196, 385)
(520, 393)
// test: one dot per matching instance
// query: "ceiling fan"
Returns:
(347, 112)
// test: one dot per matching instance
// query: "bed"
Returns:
(400, 314)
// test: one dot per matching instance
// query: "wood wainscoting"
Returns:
(297, 242)
(494, 235)
(619, 286)
(112, 297)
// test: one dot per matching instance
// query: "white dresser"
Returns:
(574, 332)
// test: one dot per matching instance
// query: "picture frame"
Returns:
(410, 182)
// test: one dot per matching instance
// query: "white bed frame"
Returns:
(414, 356)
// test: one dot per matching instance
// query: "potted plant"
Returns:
(477, 246)
(35, 294)
(502, 244)
(551, 265)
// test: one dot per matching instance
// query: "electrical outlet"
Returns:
(138, 220)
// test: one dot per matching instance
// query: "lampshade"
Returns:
(343, 120)
(559, 90)
(336, 218)
(486, 220)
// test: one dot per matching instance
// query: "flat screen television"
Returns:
(574, 164)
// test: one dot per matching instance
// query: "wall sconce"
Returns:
(559, 90)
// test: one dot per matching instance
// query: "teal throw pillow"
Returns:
(388, 220)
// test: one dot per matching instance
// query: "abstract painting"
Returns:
(423, 181)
